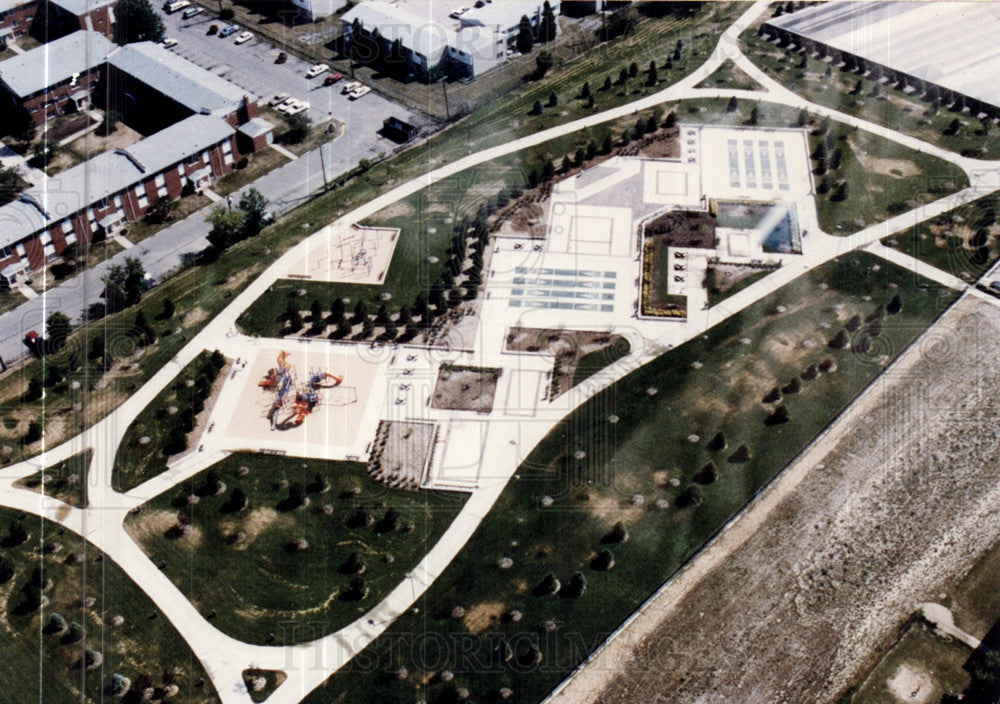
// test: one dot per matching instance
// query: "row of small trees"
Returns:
(189, 402)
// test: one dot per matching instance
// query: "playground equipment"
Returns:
(282, 380)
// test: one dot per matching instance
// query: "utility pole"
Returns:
(322, 165)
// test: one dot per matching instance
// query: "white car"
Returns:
(169, 42)
(316, 70)
(278, 99)
(359, 92)
(300, 106)
(243, 37)
(349, 86)
(287, 104)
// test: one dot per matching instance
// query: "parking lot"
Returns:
(252, 67)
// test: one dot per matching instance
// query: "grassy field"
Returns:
(730, 77)
(143, 452)
(896, 109)
(239, 564)
(66, 480)
(111, 615)
(933, 662)
(638, 471)
(258, 164)
(718, 293)
(964, 242)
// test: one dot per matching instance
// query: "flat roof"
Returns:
(417, 33)
(167, 73)
(60, 196)
(255, 127)
(504, 15)
(950, 44)
(52, 63)
(82, 7)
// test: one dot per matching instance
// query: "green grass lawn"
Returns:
(896, 109)
(260, 588)
(593, 362)
(717, 295)
(66, 480)
(93, 592)
(949, 242)
(613, 460)
(923, 651)
(137, 461)
(728, 76)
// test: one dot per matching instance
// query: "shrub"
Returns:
(691, 496)
(778, 417)
(604, 561)
(707, 474)
(792, 387)
(742, 454)
(718, 443)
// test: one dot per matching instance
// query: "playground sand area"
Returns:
(357, 254)
(333, 421)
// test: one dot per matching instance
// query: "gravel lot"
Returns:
(807, 589)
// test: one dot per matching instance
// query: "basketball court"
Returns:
(356, 254)
(302, 398)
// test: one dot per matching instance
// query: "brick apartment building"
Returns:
(99, 196)
(202, 124)
(44, 87)
(62, 17)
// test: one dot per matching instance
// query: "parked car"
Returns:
(359, 92)
(172, 7)
(349, 86)
(229, 30)
(191, 12)
(282, 57)
(277, 99)
(995, 286)
(243, 37)
(169, 42)
(300, 106)
(287, 105)
(332, 78)
(317, 70)
(212, 29)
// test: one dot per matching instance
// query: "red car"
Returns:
(332, 78)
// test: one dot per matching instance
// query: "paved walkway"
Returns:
(307, 665)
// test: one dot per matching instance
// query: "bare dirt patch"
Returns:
(897, 168)
(461, 388)
(911, 684)
(484, 616)
(884, 511)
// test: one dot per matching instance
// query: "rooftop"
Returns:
(420, 34)
(82, 7)
(107, 174)
(172, 75)
(255, 127)
(55, 62)
(503, 15)
(952, 45)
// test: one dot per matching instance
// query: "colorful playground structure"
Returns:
(282, 381)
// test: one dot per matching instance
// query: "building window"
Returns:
(70, 238)
(161, 185)
(6, 252)
(67, 226)
(140, 195)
